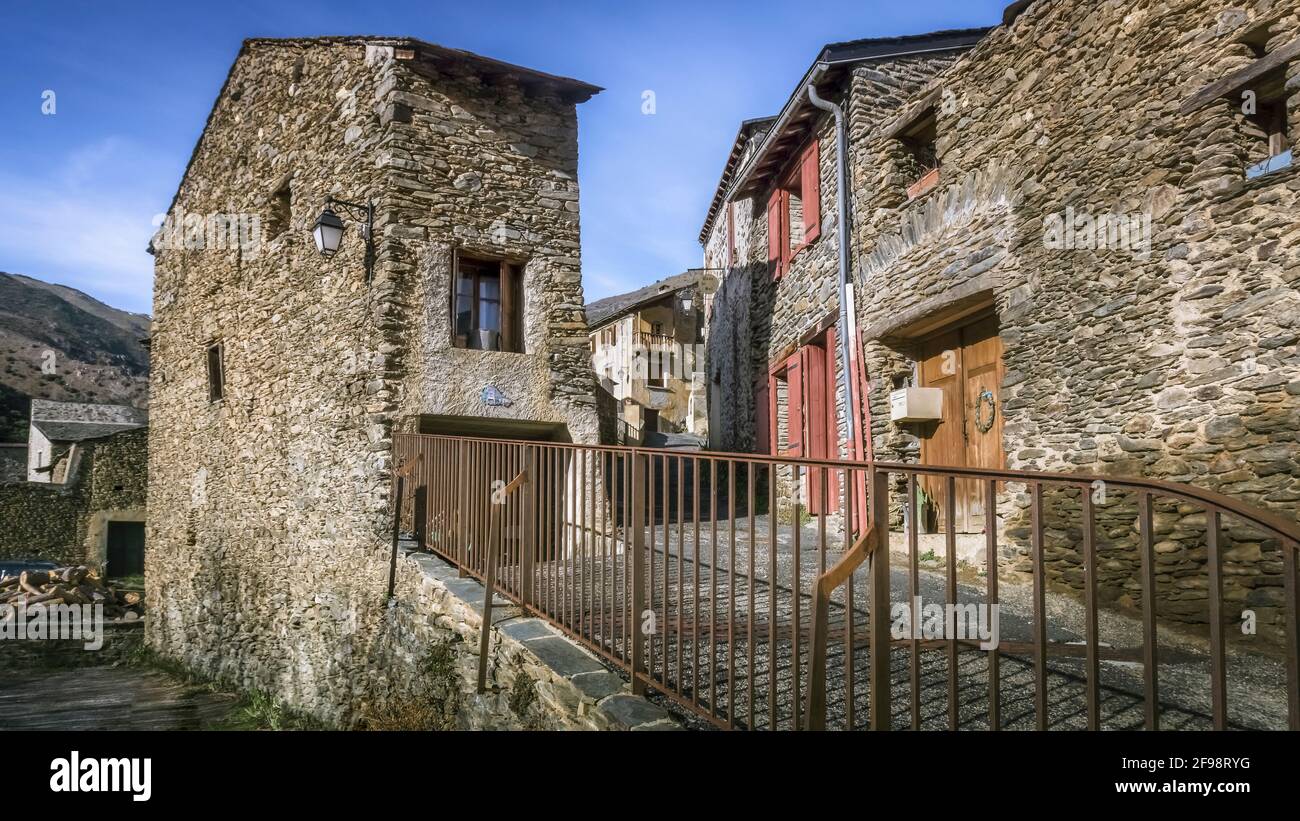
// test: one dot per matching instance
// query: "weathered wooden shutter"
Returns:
(813, 361)
(794, 405)
(832, 417)
(832, 422)
(731, 234)
(811, 183)
(775, 257)
(762, 417)
(509, 309)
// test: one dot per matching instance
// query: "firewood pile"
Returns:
(70, 585)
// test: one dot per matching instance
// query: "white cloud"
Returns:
(84, 222)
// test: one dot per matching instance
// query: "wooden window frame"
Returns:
(1271, 118)
(280, 207)
(510, 297)
(803, 178)
(920, 140)
(215, 365)
(1266, 77)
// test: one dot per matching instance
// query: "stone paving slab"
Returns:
(563, 656)
(525, 629)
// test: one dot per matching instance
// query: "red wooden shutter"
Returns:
(832, 423)
(810, 180)
(774, 255)
(794, 405)
(731, 234)
(832, 418)
(762, 418)
(783, 211)
(813, 359)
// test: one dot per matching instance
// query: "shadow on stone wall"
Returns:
(1252, 564)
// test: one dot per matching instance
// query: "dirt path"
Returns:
(106, 698)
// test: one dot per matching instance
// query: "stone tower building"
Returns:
(280, 374)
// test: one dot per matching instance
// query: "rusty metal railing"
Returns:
(745, 590)
(492, 559)
(875, 547)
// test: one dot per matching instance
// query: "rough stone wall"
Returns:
(266, 508)
(489, 169)
(1179, 364)
(119, 471)
(536, 678)
(13, 462)
(269, 519)
(40, 522)
(118, 490)
(63, 523)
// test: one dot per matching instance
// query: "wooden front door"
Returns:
(966, 363)
(125, 550)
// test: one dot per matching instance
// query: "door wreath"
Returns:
(985, 396)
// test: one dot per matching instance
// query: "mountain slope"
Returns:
(59, 343)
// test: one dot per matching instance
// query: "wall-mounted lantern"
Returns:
(328, 230)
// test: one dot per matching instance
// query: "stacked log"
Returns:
(69, 585)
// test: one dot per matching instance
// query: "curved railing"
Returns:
(875, 546)
(725, 583)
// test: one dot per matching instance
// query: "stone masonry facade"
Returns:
(1173, 357)
(270, 513)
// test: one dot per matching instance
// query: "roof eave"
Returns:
(737, 148)
(831, 58)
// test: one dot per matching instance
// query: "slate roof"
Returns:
(48, 410)
(605, 310)
(791, 124)
(747, 130)
(79, 431)
(80, 421)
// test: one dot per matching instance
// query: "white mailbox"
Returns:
(916, 404)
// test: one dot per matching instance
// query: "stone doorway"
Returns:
(125, 553)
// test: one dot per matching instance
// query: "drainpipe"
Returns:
(842, 219)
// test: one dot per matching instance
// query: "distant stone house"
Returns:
(1079, 226)
(647, 351)
(83, 495)
(59, 429)
(281, 375)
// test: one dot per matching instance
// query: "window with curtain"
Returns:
(486, 312)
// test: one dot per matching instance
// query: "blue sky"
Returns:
(134, 83)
